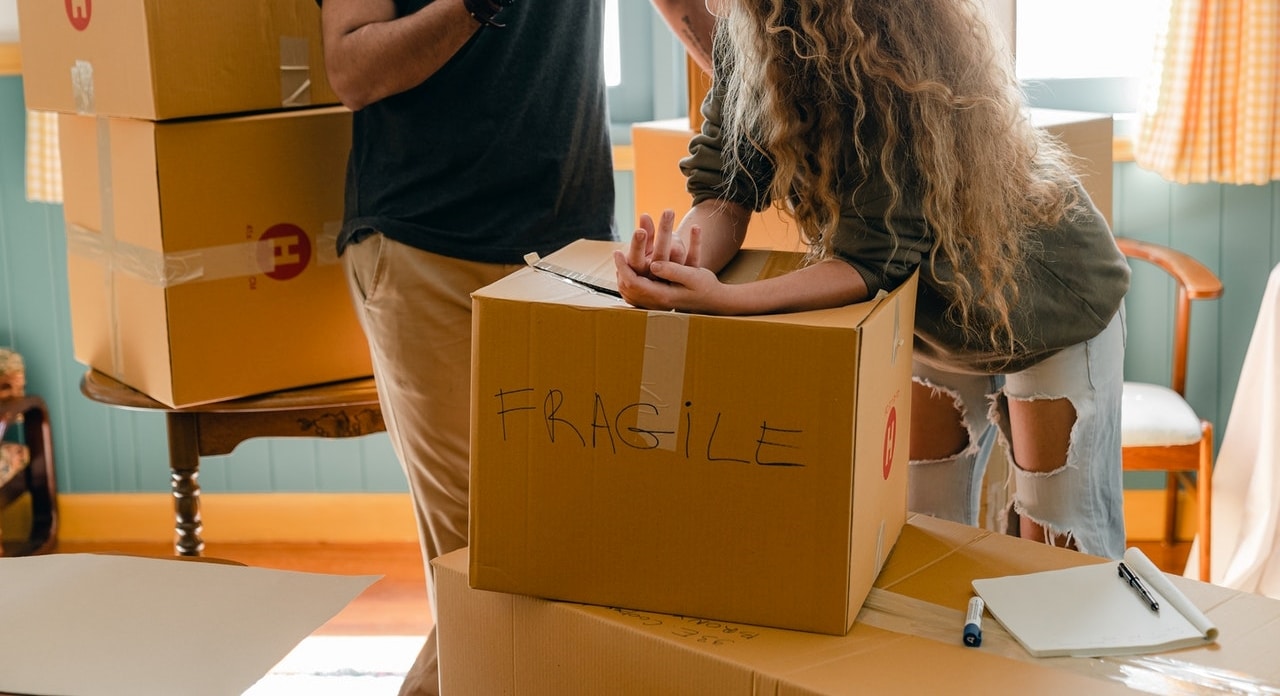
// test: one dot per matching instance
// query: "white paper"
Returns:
(1090, 611)
(108, 625)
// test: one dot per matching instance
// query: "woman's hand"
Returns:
(660, 269)
(662, 243)
(671, 286)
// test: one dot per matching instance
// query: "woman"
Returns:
(895, 135)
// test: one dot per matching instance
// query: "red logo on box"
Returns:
(79, 11)
(290, 251)
(890, 440)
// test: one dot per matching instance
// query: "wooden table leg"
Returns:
(184, 463)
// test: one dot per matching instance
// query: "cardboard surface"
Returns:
(156, 59)
(747, 468)
(107, 625)
(903, 642)
(201, 253)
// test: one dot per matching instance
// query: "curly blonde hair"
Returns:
(919, 94)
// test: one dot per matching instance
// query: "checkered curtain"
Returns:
(1214, 115)
(44, 168)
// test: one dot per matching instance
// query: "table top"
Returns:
(357, 392)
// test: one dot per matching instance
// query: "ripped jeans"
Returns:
(1082, 501)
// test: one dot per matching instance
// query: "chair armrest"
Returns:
(1200, 282)
(11, 409)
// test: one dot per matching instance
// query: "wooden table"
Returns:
(337, 409)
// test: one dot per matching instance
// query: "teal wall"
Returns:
(101, 449)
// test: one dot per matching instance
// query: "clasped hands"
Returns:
(659, 270)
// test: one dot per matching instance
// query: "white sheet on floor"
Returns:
(1245, 549)
(107, 625)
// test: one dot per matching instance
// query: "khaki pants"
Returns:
(415, 308)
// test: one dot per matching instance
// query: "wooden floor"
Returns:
(397, 604)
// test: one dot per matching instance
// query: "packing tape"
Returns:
(82, 86)
(666, 340)
(1153, 674)
(327, 243)
(166, 270)
(107, 202)
(295, 71)
(666, 344)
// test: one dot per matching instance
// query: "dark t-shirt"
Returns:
(503, 151)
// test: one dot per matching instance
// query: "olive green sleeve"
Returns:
(705, 167)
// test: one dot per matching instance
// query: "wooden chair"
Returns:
(1160, 430)
(26, 467)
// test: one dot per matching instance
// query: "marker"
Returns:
(973, 623)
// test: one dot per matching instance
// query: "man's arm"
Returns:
(371, 54)
(694, 26)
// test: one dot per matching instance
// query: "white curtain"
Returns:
(1245, 549)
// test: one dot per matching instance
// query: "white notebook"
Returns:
(1092, 610)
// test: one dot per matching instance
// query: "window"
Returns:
(644, 65)
(631, 81)
(1091, 55)
(1087, 38)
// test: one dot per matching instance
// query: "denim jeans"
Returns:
(1083, 500)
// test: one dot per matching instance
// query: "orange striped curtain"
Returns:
(1214, 111)
(44, 169)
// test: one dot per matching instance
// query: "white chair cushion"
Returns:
(1153, 415)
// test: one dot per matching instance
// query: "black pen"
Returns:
(1136, 583)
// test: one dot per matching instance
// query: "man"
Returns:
(480, 133)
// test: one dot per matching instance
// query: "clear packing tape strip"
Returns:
(1154, 674)
(166, 270)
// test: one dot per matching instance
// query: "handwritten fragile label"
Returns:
(596, 424)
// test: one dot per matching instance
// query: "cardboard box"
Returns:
(201, 255)
(743, 468)
(1091, 138)
(659, 184)
(660, 145)
(159, 59)
(907, 640)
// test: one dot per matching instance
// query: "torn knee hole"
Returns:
(939, 431)
(1042, 429)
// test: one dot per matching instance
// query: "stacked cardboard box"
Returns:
(668, 503)
(203, 162)
(748, 469)
(907, 640)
